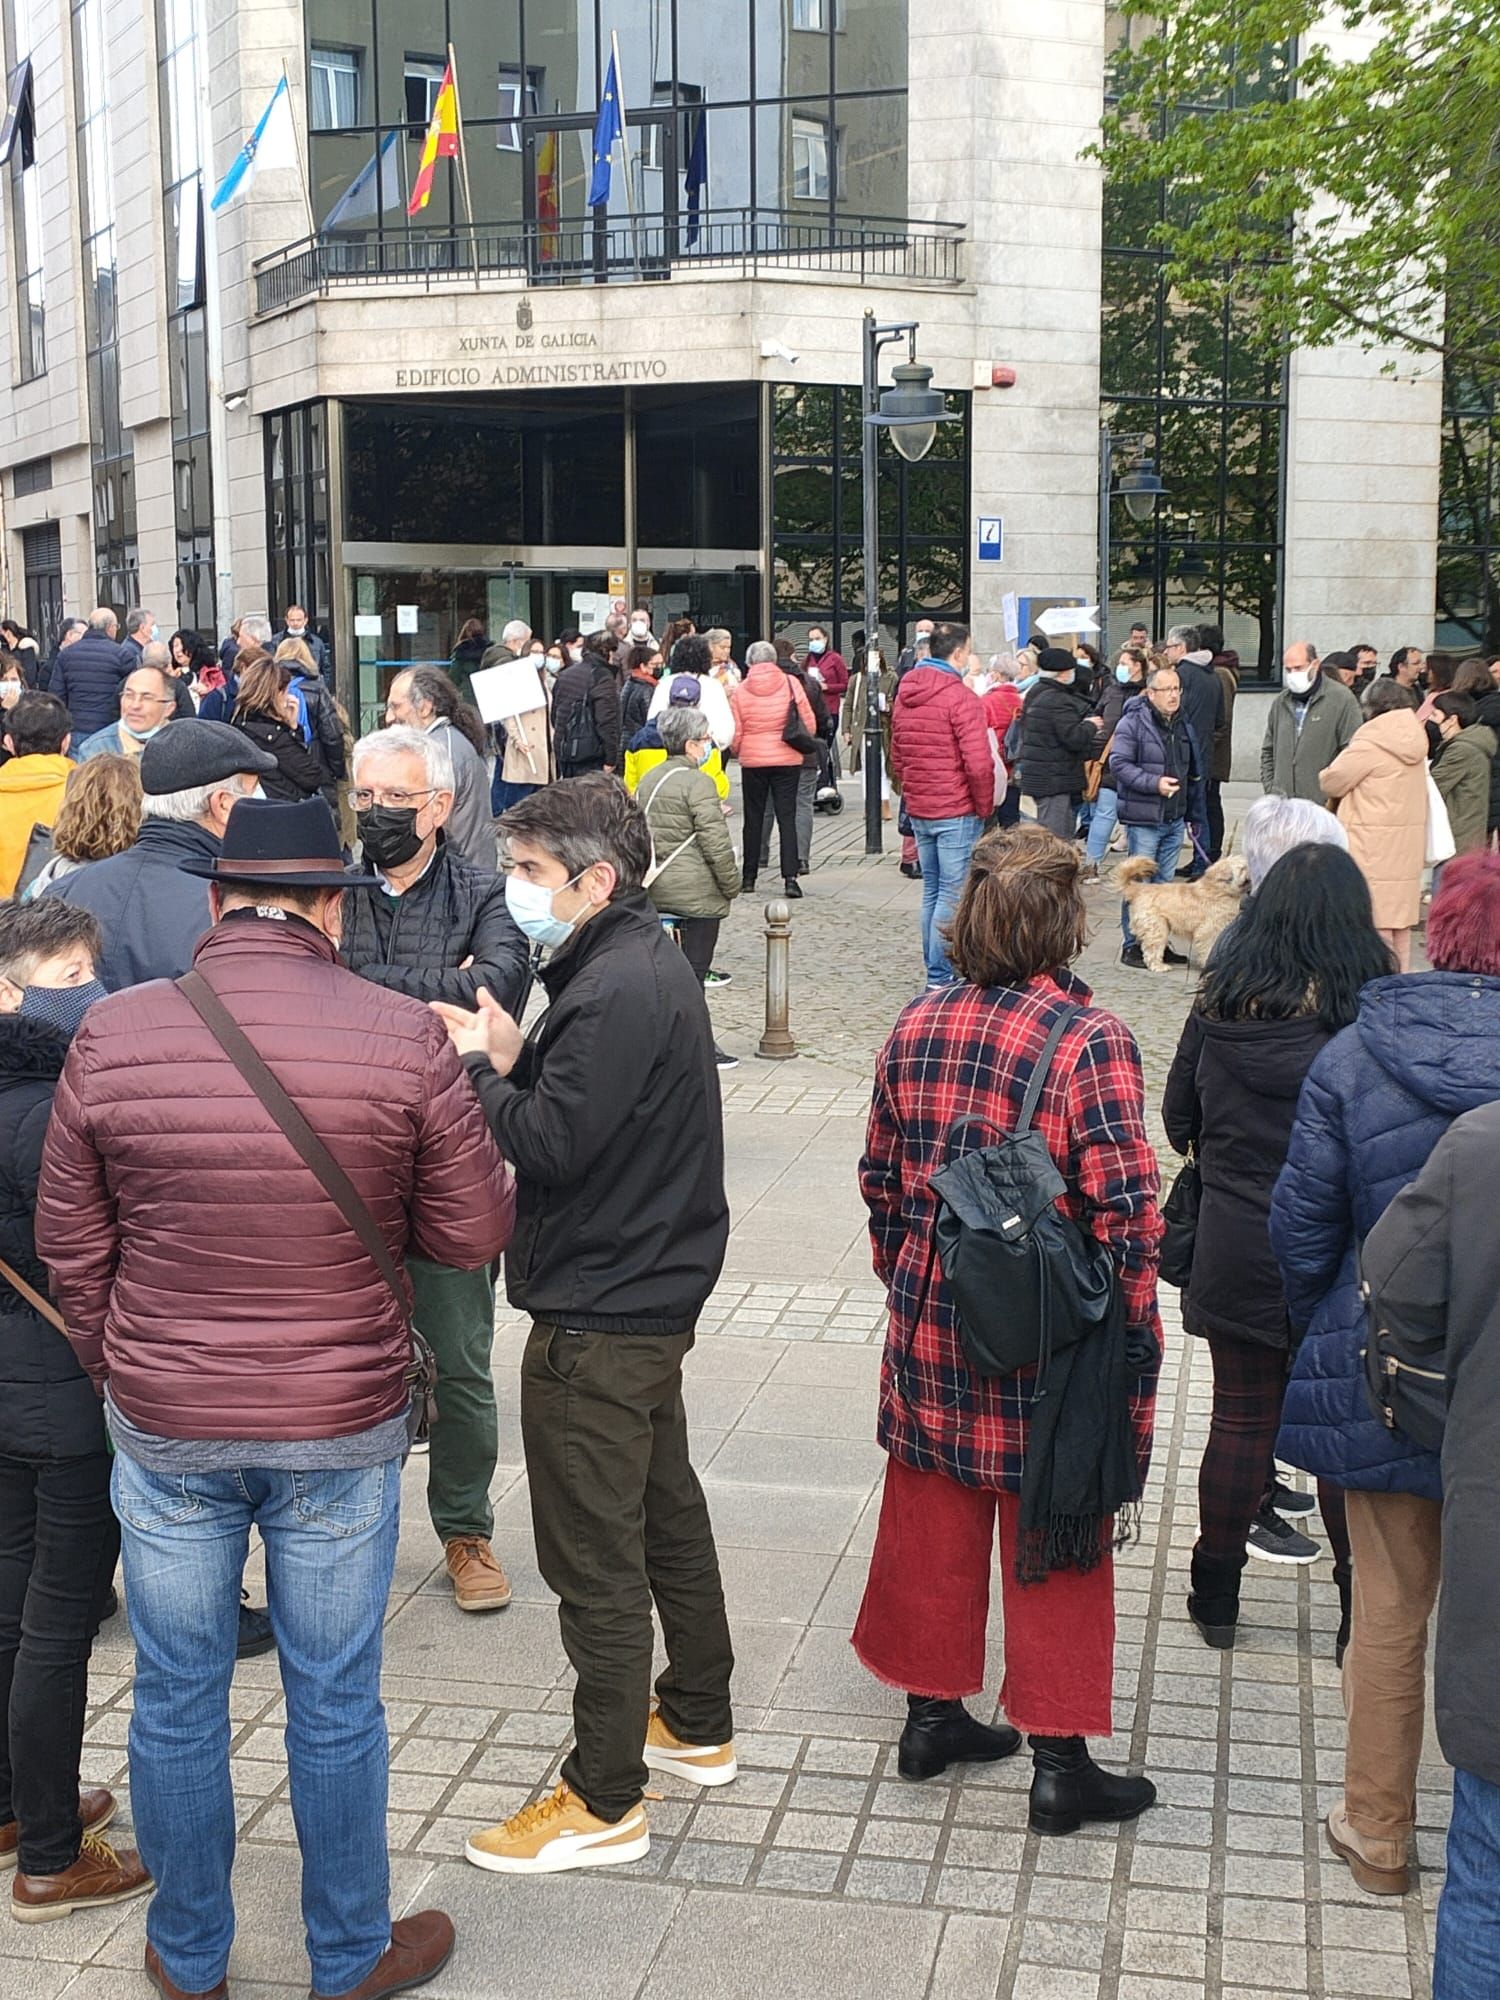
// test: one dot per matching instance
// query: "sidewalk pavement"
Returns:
(820, 1871)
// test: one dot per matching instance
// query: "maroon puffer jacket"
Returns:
(940, 746)
(198, 1264)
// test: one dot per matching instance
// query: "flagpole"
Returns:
(635, 241)
(312, 227)
(463, 163)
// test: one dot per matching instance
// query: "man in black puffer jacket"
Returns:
(88, 675)
(438, 929)
(1058, 736)
(57, 1529)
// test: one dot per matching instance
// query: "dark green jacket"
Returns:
(1462, 775)
(1291, 760)
(681, 805)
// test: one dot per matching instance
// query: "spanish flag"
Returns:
(546, 197)
(441, 142)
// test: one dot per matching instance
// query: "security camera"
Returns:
(777, 350)
(236, 401)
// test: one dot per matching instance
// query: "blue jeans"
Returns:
(502, 795)
(943, 848)
(1467, 1960)
(1164, 842)
(330, 1541)
(1102, 825)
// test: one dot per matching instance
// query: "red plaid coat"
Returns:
(958, 1052)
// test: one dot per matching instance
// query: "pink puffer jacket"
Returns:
(760, 705)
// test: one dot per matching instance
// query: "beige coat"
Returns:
(1380, 782)
(531, 730)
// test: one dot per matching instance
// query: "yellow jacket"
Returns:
(31, 791)
(639, 762)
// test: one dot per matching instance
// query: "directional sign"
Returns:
(991, 537)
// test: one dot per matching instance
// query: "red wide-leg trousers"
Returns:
(922, 1624)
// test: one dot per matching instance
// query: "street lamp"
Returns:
(1140, 486)
(911, 410)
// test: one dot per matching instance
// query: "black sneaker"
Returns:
(1277, 1541)
(1170, 957)
(1130, 955)
(724, 1060)
(713, 979)
(255, 1633)
(1287, 1500)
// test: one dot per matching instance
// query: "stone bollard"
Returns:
(776, 1044)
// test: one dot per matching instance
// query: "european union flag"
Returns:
(607, 129)
(697, 176)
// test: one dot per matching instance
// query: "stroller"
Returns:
(827, 798)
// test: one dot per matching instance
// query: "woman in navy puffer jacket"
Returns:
(1424, 1049)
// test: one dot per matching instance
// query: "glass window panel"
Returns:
(1252, 474)
(871, 138)
(1130, 214)
(803, 579)
(1465, 486)
(1130, 328)
(792, 60)
(808, 163)
(420, 72)
(1192, 349)
(802, 499)
(697, 469)
(564, 52)
(869, 45)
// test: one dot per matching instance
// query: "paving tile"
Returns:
(727, 1947)
(970, 1959)
(1365, 1973)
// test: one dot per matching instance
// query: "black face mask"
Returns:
(388, 835)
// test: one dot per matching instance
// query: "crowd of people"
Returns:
(270, 1120)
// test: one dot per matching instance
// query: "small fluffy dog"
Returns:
(1194, 911)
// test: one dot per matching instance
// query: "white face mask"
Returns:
(532, 908)
(1300, 679)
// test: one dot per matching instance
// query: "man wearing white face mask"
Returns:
(617, 1144)
(152, 912)
(1311, 721)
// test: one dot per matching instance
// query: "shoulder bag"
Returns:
(794, 732)
(1179, 1212)
(421, 1371)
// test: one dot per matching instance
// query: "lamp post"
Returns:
(1140, 487)
(911, 410)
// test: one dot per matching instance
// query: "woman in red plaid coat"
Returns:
(958, 1442)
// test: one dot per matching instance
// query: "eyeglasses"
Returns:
(146, 700)
(363, 798)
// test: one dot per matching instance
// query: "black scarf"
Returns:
(1080, 1468)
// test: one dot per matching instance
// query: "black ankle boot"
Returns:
(1343, 1576)
(792, 889)
(1214, 1600)
(1068, 1787)
(940, 1733)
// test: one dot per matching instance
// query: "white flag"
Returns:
(273, 143)
(375, 188)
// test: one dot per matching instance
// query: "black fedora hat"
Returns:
(277, 843)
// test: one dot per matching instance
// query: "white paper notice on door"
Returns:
(367, 624)
(406, 617)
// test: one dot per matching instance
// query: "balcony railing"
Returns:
(743, 240)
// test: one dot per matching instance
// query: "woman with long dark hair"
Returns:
(1282, 981)
(1059, 1473)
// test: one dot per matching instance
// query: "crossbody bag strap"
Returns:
(32, 1296)
(309, 1148)
(1041, 1070)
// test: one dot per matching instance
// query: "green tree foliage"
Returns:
(1330, 194)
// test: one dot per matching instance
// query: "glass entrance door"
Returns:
(633, 234)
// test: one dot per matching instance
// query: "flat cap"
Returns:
(190, 752)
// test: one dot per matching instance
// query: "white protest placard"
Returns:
(512, 688)
(406, 617)
(1010, 611)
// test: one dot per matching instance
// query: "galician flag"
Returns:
(441, 142)
(273, 143)
(374, 189)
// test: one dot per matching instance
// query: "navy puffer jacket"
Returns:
(1424, 1049)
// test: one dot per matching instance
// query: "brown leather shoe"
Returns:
(170, 1990)
(95, 1808)
(420, 1947)
(479, 1583)
(101, 1874)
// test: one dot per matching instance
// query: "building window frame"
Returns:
(335, 90)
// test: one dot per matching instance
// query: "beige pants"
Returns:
(1396, 1542)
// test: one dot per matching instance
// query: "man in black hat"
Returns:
(152, 907)
(254, 1362)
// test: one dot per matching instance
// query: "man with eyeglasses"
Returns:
(147, 704)
(436, 927)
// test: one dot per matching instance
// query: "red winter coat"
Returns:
(201, 1269)
(760, 705)
(940, 746)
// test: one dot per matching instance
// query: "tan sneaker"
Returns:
(479, 1583)
(699, 1763)
(95, 1808)
(101, 1874)
(557, 1833)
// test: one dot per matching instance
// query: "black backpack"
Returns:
(1405, 1351)
(581, 742)
(1026, 1280)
